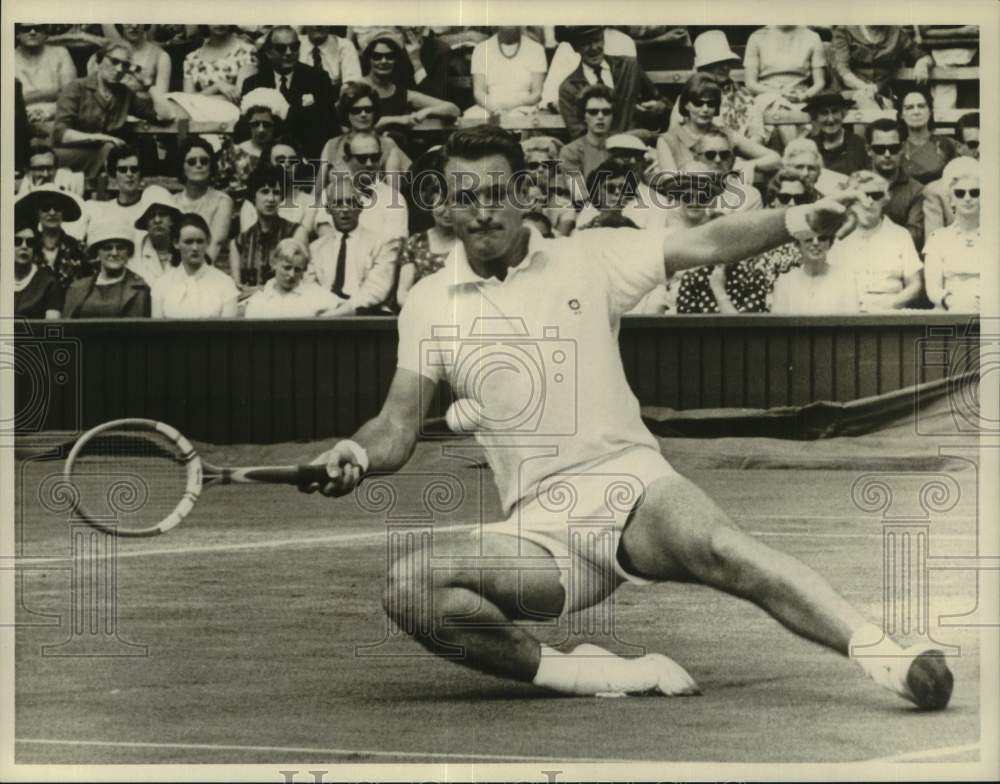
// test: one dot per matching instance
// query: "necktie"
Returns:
(317, 58)
(284, 86)
(338, 278)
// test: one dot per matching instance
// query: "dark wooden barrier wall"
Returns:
(265, 381)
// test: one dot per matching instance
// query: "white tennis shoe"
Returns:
(652, 674)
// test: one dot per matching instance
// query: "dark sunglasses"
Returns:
(286, 48)
(31, 28)
(960, 193)
(202, 160)
(598, 112)
(261, 124)
(25, 241)
(972, 145)
(115, 246)
(374, 157)
(722, 156)
(875, 195)
(344, 204)
(49, 207)
(383, 56)
(362, 110)
(886, 149)
(44, 167)
(126, 169)
(701, 104)
(788, 198)
(285, 160)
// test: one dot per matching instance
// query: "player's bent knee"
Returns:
(728, 563)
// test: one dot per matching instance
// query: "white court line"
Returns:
(913, 756)
(326, 752)
(274, 544)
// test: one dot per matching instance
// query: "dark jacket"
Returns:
(632, 86)
(312, 115)
(905, 206)
(135, 301)
(849, 157)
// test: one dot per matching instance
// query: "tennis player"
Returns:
(632, 517)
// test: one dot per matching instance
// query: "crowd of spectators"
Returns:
(321, 196)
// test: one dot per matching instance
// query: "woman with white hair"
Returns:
(803, 156)
(287, 294)
(953, 254)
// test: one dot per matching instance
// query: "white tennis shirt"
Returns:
(539, 350)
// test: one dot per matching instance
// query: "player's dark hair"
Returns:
(886, 125)
(482, 142)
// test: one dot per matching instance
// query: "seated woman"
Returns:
(925, 153)
(381, 62)
(44, 71)
(156, 253)
(783, 66)
(219, 66)
(37, 293)
(91, 113)
(286, 294)
(198, 168)
(361, 106)
(152, 63)
(250, 253)
(194, 289)
(867, 57)
(48, 208)
(303, 210)
(699, 107)
(262, 112)
(114, 291)
(508, 71)
(582, 156)
(953, 255)
(814, 287)
(425, 252)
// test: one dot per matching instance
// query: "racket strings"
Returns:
(130, 479)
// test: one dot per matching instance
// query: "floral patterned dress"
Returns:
(203, 72)
(68, 260)
(417, 251)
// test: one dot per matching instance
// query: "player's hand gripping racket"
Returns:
(140, 477)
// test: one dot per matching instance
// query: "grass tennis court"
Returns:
(253, 608)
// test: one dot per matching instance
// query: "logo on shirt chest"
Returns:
(574, 305)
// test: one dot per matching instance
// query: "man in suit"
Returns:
(312, 116)
(633, 91)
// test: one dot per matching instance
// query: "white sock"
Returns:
(595, 671)
(881, 659)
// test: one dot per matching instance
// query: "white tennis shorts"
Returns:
(578, 516)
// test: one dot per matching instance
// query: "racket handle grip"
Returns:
(308, 474)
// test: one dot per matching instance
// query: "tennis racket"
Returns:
(140, 477)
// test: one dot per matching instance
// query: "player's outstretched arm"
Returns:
(386, 442)
(740, 236)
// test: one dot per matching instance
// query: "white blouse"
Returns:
(208, 293)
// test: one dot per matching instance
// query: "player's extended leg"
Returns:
(679, 533)
(463, 607)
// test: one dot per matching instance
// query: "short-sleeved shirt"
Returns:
(559, 397)
(508, 76)
(42, 293)
(202, 295)
(881, 259)
(785, 60)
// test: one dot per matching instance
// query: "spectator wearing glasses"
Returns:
(289, 294)
(312, 106)
(91, 112)
(582, 156)
(44, 72)
(699, 108)
(300, 205)
(262, 114)
(636, 97)
(198, 169)
(352, 262)
(360, 107)
(905, 205)
(924, 152)
(548, 188)
(220, 64)
(813, 286)
(47, 209)
(194, 289)
(321, 48)
(125, 178)
(250, 253)
(382, 62)
(953, 255)
(937, 198)
(384, 210)
(639, 203)
(843, 151)
(152, 63)
(114, 291)
(37, 292)
(879, 254)
(566, 59)
(508, 70)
